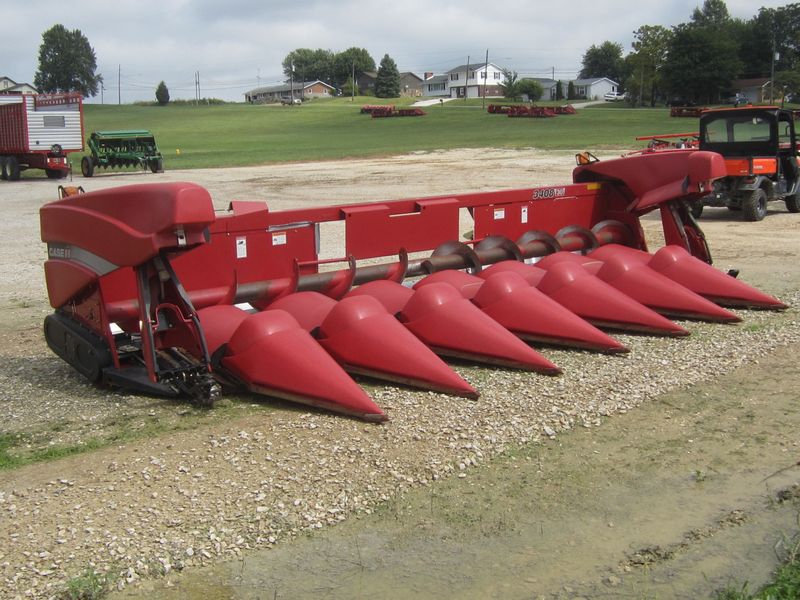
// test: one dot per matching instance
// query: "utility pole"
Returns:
(772, 72)
(291, 80)
(485, 77)
(466, 81)
(119, 86)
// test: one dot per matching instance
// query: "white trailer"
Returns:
(37, 131)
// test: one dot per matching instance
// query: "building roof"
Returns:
(286, 87)
(591, 80)
(476, 66)
(545, 81)
(437, 79)
(751, 83)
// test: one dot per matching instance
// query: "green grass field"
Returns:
(241, 134)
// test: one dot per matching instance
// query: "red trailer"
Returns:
(37, 131)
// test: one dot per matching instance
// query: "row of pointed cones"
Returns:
(299, 346)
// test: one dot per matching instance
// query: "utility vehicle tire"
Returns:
(157, 165)
(3, 175)
(87, 166)
(55, 173)
(697, 210)
(12, 169)
(754, 206)
(793, 203)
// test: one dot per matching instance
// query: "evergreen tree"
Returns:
(162, 94)
(571, 91)
(559, 90)
(387, 83)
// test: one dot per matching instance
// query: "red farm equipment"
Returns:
(521, 110)
(532, 112)
(38, 131)
(668, 141)
(378, 112)
(686, 111)
(173, 299)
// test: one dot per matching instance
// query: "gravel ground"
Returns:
(192, 497)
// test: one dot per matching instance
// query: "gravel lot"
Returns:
(261, 477)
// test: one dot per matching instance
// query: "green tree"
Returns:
(530, 88)
(162, 94)
(387, 83)
(604, 60)
(347, 61)
(714, 13)
(350, 88)
(559, 90)
(571, 91)
(650, 46)
(309, 65)
(67, 63)
(509, 84)
(701, 63)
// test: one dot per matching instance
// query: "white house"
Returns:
(9, 86)
(473, 81)
(594, 89)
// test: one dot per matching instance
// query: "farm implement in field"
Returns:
(120, 149)
(521, 110)
(378, 112)
(154, 292)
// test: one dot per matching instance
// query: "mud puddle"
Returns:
(674, 500)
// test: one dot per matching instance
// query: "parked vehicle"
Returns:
(760, 150)
(37, 131)
(614, 97)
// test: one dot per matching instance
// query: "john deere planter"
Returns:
(121, 149)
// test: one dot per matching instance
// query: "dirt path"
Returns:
(534, 519)
(677, 499)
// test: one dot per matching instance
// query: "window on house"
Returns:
(453, 76)
(483, 75)
(471, 75)
(497, 75)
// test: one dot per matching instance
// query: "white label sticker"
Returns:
(241, 247)
(278, 239)
(499, 213)
(523, 217)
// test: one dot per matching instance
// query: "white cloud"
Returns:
(235, 44)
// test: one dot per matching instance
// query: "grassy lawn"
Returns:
(241, 134)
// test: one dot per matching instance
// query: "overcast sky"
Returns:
(237, 45)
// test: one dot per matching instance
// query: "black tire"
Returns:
(697, 210)
(793, 203)
(87, 166)
(157, 165)
(55, 173)
(3, 175)
(754, 206)
(12, 169)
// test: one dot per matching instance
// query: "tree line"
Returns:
(698, 60)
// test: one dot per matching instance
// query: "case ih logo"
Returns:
(59, 251)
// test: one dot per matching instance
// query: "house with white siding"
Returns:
(471, 81)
